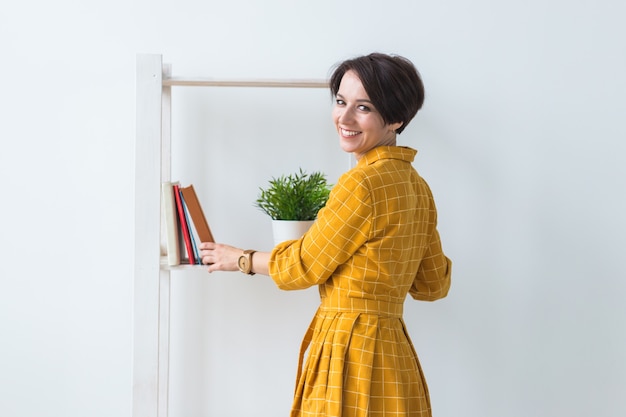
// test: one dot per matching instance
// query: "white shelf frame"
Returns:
(151, 311)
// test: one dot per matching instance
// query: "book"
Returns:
(197, 214)
(183, 224)
(170, 219)
(192, 236)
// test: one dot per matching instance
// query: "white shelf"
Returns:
(208, 82)
(165, 266)
(151, 318)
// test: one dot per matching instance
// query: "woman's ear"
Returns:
(395, 126)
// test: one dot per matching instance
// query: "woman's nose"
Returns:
(345, 115)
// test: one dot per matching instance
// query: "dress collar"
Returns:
(403, 153)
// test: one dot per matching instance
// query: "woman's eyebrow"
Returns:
(359, 100)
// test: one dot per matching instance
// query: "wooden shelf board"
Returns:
(208, 82)
(166, 266)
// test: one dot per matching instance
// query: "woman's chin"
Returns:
(347, 146)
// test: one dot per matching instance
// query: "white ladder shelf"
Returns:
(151, 319)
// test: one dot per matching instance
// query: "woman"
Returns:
(373, 243)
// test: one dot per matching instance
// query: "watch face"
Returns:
(243, 263)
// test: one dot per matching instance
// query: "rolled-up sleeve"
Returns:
(341, 228)
(433, 277)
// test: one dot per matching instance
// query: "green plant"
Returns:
(297, 196)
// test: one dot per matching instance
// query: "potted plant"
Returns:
(292, 201)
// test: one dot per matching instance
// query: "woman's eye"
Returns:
(339, 102)
(364, 108)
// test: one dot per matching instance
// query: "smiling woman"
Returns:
(375, 242)
(359, 124)
(375, 99)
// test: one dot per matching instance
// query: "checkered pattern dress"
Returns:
(375, 242)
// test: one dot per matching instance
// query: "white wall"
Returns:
(522, 140)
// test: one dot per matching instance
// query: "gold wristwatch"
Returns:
(245, 262)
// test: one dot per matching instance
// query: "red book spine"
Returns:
(183, 224)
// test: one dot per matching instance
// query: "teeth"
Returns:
(349, 132)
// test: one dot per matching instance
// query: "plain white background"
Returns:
(522, 139)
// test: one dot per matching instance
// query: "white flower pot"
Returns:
(289, 229)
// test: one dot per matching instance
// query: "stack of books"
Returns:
(181, 208)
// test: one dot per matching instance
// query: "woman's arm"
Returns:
(432, 280)
(221, 257)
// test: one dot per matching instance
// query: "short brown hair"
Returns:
(392, 83)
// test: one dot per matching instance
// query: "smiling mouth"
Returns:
(349, 132)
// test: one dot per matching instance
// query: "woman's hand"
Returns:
(220, 257)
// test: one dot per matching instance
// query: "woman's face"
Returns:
(360, 126)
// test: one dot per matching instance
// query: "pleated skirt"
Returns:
(359, 364)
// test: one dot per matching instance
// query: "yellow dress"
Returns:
(375, 242)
